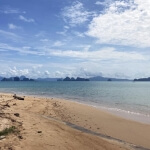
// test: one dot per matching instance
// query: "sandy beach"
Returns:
(57, 124)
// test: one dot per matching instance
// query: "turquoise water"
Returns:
(130, 98)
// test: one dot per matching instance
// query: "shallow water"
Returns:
(128, 99)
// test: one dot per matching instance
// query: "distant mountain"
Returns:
(142, 79)
(97, 78)
(22, 78)
(73, 79)
(1, 78)
(47, 79)
(100, 78)
(6, 79)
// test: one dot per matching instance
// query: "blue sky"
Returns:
(53, 38)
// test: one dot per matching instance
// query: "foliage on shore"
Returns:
(7, 131)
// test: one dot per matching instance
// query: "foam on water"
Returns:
(143, 118)
(130, 115)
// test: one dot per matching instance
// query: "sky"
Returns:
(86, 38)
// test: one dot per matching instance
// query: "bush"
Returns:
(7, 131)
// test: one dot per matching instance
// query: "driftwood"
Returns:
(17, 97)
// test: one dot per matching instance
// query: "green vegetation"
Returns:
(7, 131)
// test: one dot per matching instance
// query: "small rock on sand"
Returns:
(20, 137)
(17, 114)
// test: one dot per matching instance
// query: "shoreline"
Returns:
(125, 114)
(81, 116)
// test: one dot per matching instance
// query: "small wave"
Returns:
(124, 111)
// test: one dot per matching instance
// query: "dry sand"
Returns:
(56, 124)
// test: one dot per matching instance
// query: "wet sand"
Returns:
(57, 124)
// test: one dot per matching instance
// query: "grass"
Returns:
(7, 131)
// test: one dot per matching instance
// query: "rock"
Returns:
(13, 120)
(20, 137)
(2, 137)
(17, 114)
(54, 104)
(39, 132)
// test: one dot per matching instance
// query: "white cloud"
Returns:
(72, 69)
(44, 40)
(26, 47)
(84, 47)
(79, 34)
(58, 44)
(100, 3)
(59, 74)
(41, 34)
(123, 23)
(84, 71)
(106, 53)
(76, 14)
(12, 26)
(62, 32)
(25, 19)
(83, 68)
(13, 71)
(10, 10)
(66, 27)
(103, 54)
(10, 35)
(47, 73)
(21, 50)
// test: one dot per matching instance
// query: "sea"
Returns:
(130, 100)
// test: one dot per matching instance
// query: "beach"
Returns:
(50, 123)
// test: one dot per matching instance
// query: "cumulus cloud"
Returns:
(76, 14)
(47, 73)
(26, 19)
(17, 72)
(28, 70)
(123, 23)
(85, 72)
